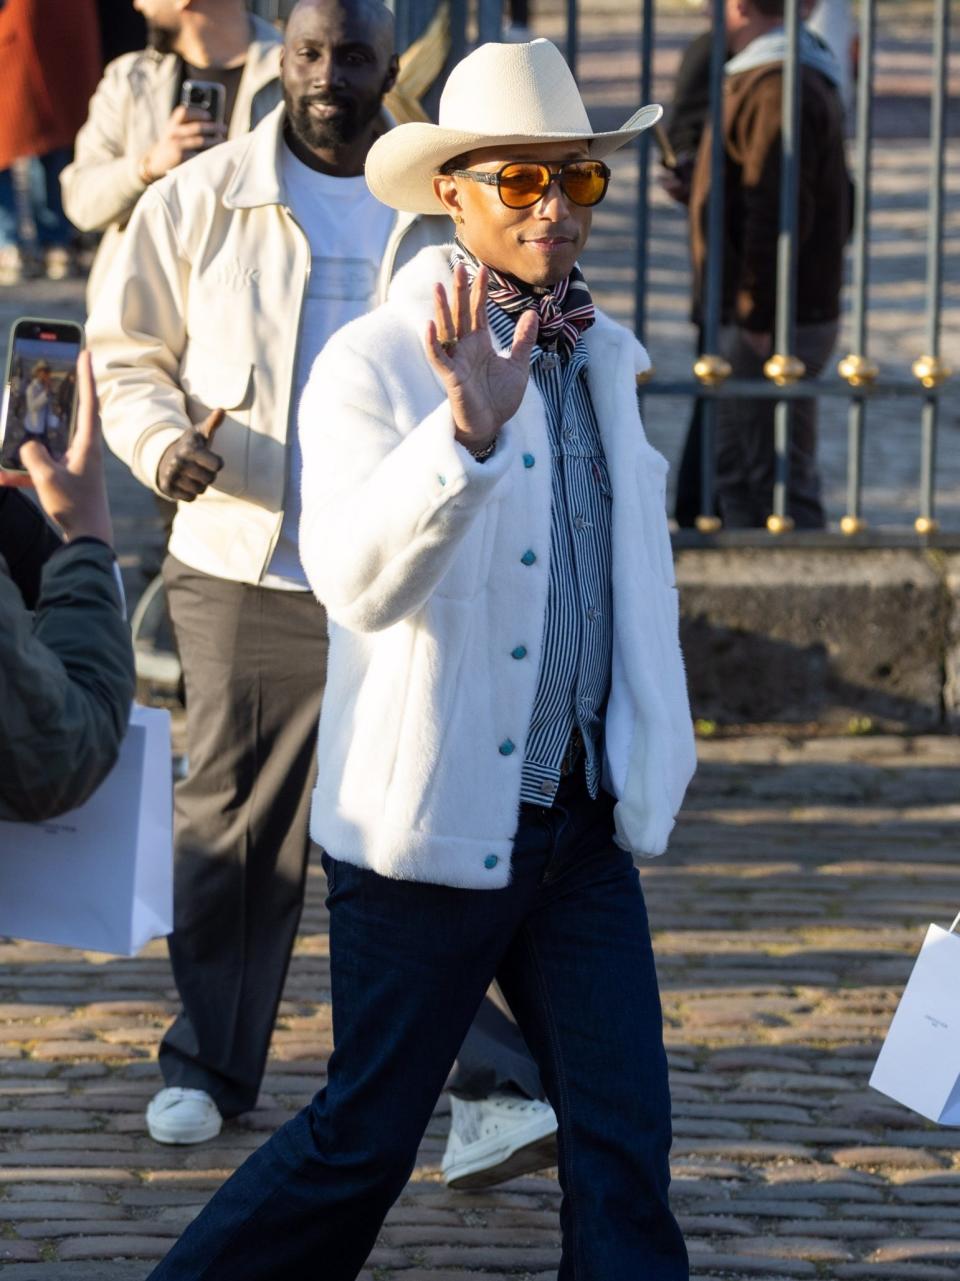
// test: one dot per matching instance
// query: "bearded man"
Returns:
(506, 721)
(233, 272)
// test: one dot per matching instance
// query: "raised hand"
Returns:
(484, 388)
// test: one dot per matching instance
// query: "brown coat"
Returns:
(49, 67)
(752, 139)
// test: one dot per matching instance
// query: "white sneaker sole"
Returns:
(488, 1162)
(167, 1133)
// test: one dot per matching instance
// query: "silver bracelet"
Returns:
(481, 455)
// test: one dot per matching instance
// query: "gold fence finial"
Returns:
(859, 370)
(784, 370)
(931, 371)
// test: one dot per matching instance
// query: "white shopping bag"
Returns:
(919, 1064)
(99, 877)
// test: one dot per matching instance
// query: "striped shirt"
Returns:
(574, 675)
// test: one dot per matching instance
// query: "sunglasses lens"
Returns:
(585, 184)
(522, 185)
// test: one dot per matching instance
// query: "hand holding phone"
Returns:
(72, 489)
(187, 131)
(40, 389)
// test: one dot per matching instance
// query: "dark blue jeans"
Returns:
(41, 202)
(569, 943)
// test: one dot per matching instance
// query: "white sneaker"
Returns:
(177, 1115)
(498, 1138)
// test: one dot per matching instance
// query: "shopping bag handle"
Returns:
(953, 927)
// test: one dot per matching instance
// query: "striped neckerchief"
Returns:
(565, 312)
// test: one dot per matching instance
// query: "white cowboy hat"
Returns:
(500, 93)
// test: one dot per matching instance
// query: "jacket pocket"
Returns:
(211, 380)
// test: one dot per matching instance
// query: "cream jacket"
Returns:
(417, 552)
(201, 310)
(128, 113)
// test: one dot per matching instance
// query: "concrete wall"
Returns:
(832, 637)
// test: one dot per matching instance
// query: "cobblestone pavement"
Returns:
(786, 916)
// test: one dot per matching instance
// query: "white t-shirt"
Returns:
(348, 229)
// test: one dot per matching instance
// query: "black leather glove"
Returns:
(189, 465)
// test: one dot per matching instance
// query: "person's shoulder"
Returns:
(605, 326)
(377, 336)
(765, 79)
(756, 95)
(413, 284)
(121, 66)
(125, 69)
(820, 96)
(390, 337)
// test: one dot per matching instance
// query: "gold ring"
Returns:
(448, 345)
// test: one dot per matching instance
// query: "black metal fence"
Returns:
(857, 374)
(857, 378)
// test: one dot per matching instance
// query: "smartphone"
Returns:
(40, 388)
(204, 95)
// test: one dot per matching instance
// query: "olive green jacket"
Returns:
(66, 683)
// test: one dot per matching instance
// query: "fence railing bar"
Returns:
(856, 367)
(489, 22)
(753, 389)
(825, 539)
(643, 178)
(783, 359)
(710, 367)
(573, 35)
(930, 369)
(458, 32)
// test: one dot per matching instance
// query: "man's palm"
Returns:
(484, 388)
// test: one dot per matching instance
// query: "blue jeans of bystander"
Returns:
(38, 205)
(568, 941)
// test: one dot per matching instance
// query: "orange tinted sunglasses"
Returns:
(522, 183)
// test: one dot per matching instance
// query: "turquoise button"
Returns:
(442, 480)
(528, 558)
(507, 748)
(491, 861)
(528, 460)
(519, 652)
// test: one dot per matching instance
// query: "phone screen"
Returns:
(40, 392)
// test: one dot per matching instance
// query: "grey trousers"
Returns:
(745, 452)
(254, 664)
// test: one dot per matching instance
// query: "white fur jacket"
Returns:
(416, 551)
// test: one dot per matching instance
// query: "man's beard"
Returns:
(321, 135)
(161, 39)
